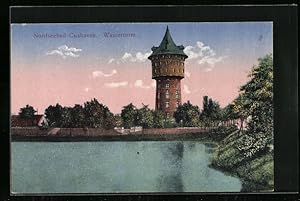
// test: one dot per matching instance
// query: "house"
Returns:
(38, 120)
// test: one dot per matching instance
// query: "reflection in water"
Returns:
(110, 167)
(191, 145)
(171, 181)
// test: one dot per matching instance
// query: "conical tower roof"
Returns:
(167, 46)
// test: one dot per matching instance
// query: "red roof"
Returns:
(17, 121)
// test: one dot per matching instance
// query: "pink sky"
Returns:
(116, 71)
(55, 83)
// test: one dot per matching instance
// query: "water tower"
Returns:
(167, 69)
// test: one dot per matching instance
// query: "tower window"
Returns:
(177, 104)
(167, 85)
(177, 94)
(158, 95)
(167, 94)
(167, 104)
(174, 70)
(167, 114)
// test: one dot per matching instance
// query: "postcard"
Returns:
(142, 107)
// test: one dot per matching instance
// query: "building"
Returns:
(37, 121)
(168, 69)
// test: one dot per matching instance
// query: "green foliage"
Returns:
(158, 119)
(250, 155)
(259, 91)
(211, 112)
(229, 113)
(97, 115)
(144, 117)
(129, 115)
(92, 115)
(187, 115)
(258, 106)
(78, 116)
(169, 123)
(27, 112)
(118, 120)
(54, 115)
(66, 117)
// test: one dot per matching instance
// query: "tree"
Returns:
(258, 93)
(240, 109)
(257, 105)
(228, 113)
(118, 120)
(211, 112)
(27, 112)
(144, 117)
(158, 119)
(128, 115)
(78, 116)
(54, 115)
(187, 115)
(67, 117)
(97, 115)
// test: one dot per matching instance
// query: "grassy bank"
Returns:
(256, 171)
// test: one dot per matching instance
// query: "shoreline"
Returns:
(96, 134)
(247, 185)
(208, 136)
(127, 137)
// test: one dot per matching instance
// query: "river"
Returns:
(111, 167)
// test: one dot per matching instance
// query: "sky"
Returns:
(72, 63)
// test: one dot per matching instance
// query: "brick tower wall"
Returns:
(168, 95)
(168, 70)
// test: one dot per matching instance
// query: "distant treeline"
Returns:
(93, 114)
(253, 104)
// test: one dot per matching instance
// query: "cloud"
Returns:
(186, 89)
(111, 60)
(140, 84)
(96, 74)
(64, 51)
(116, 84)
(203, 54)
(69, 49)
(211, 60)
(138, 57)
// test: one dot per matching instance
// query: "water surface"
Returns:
(110, 167)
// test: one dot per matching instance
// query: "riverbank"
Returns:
(256, 173)
(94, 134)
